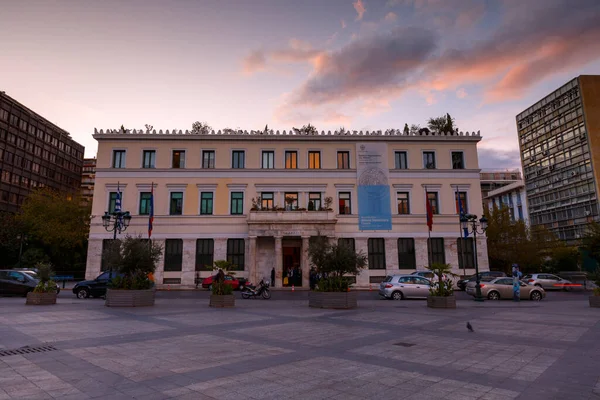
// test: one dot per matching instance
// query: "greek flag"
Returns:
(118, 208)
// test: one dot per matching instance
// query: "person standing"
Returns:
(273, 277)
(516, 274)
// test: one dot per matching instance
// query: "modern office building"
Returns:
(513, 197)
(559, 138)
(257, 199)
(495, 179)
(34, 153)
(88, 176)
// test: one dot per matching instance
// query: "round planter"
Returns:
(40, 299)
(334, 300)
(595, 301)
(129, 298)
(222, 300)
(441, 301)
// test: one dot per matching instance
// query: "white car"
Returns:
(547, 281)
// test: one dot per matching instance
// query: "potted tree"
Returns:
(135, 261)
(45, 291)
(221, 292)
(595, 297)
(441, 293)
(334, 264)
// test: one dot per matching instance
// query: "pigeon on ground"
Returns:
(469, 327)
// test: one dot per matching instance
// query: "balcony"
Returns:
(291, 216)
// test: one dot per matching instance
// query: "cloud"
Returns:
(360, 9)
(461, 93)
(343, 24)
(297, 51)
(254, 62)
(498, 159)
(390, 17)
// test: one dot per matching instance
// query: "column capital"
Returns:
(306, 237)
(252, 237)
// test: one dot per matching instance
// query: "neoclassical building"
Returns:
(257, 199)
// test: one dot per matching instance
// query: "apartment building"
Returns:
(257, 199)
(559, 138)
(513, 197)
(34, 153)
(88, 176)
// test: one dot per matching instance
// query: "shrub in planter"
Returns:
(441, 292)
(45, 291)
(222, 293)
(135, 260)
(334, 265)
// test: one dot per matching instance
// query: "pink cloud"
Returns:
(461, 93)
(254, 62)
(391, 17)
(343, 23)
(360, 9)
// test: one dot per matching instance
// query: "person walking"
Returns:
(516, 274)
(273, 277)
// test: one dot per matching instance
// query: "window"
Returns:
(235, 253)
(432, 198)
(345, 207)
(436, 250)
(238, 159)
(266, 201)
(520, 210)
(314, 159)
(204, 254)
(112, 202)
(173, 254)
(406, 254)
(314, 199)
(145, 198)
(291, 159)
(178, 158)
(206, 203)
(343, 160)
(6, 176)
(237, 203)
(401, 160)
(458, 160)
(348, 242)
(208, 159)
(149, 159)
(3, 115)
(176, 203)
(460, 199)
(376, 249)
(428, 160)
(403, 205)
(118, 157)
(291, 201)
(466, 257)
(268, 159)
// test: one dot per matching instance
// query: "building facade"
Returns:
(559, 139)
(513, 197)
(34, 153)
(257, 199)
(88, 176)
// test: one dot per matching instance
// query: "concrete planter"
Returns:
(334, 300)
(222, 301)
(595, 301)
(129, 298)
(441, 301)
(40, 299)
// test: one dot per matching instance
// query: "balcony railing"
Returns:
(272, 216)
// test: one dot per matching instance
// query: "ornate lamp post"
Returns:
(117, 222)
(471, 220)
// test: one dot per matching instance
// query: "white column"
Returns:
(160, 264)
(188, 267)
(252, 259)
(220, 250)
(305, 262)
(278, 262)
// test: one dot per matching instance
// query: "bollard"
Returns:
(292, 288)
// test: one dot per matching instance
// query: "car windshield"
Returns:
(31, 274)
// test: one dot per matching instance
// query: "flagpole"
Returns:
(461, 254)
(427, 205)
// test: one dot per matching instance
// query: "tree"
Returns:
(591, 241)
(334, 262)
(10, 241)
(406, 131)
(414, 129)
(201, 128)
(445, 123)
(306, 130)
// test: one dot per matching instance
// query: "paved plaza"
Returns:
(281, 349)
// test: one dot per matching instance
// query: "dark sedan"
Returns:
(95, 287)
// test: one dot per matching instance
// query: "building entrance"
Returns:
(292, 271)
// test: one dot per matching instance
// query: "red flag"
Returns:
(151, 213)
(429, 213)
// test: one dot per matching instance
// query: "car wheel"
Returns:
(397, 296)
(538, 285)
(83, 293)
(493, 295)
(535, 295)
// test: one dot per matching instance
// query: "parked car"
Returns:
(502, 288)
(236, 283)
(95, 287)
(547, 281)
(399, 287)
(16, 283)
(462, 283)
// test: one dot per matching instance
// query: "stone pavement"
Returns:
(280, 349)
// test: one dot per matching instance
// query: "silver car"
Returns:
(502, 288)
(547, 281)
(398, 287)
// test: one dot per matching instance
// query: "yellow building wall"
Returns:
(590, 93)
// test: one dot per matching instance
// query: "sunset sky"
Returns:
(362, 64)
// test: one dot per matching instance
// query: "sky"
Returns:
(243, 64)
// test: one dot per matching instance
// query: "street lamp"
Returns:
(117, 221)
(465, 221)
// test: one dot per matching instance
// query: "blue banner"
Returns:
(374, 208)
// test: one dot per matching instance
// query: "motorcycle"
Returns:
(261, 290)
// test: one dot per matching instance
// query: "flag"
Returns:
(151, 214)
(118, 207)
(461, 212)
(429, 212)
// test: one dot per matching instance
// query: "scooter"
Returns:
(261, 290)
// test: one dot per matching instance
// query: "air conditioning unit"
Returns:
(573, 173)
(551, 167)
(532, 158)
(582, 137)
(545, 152)
(588, 213)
